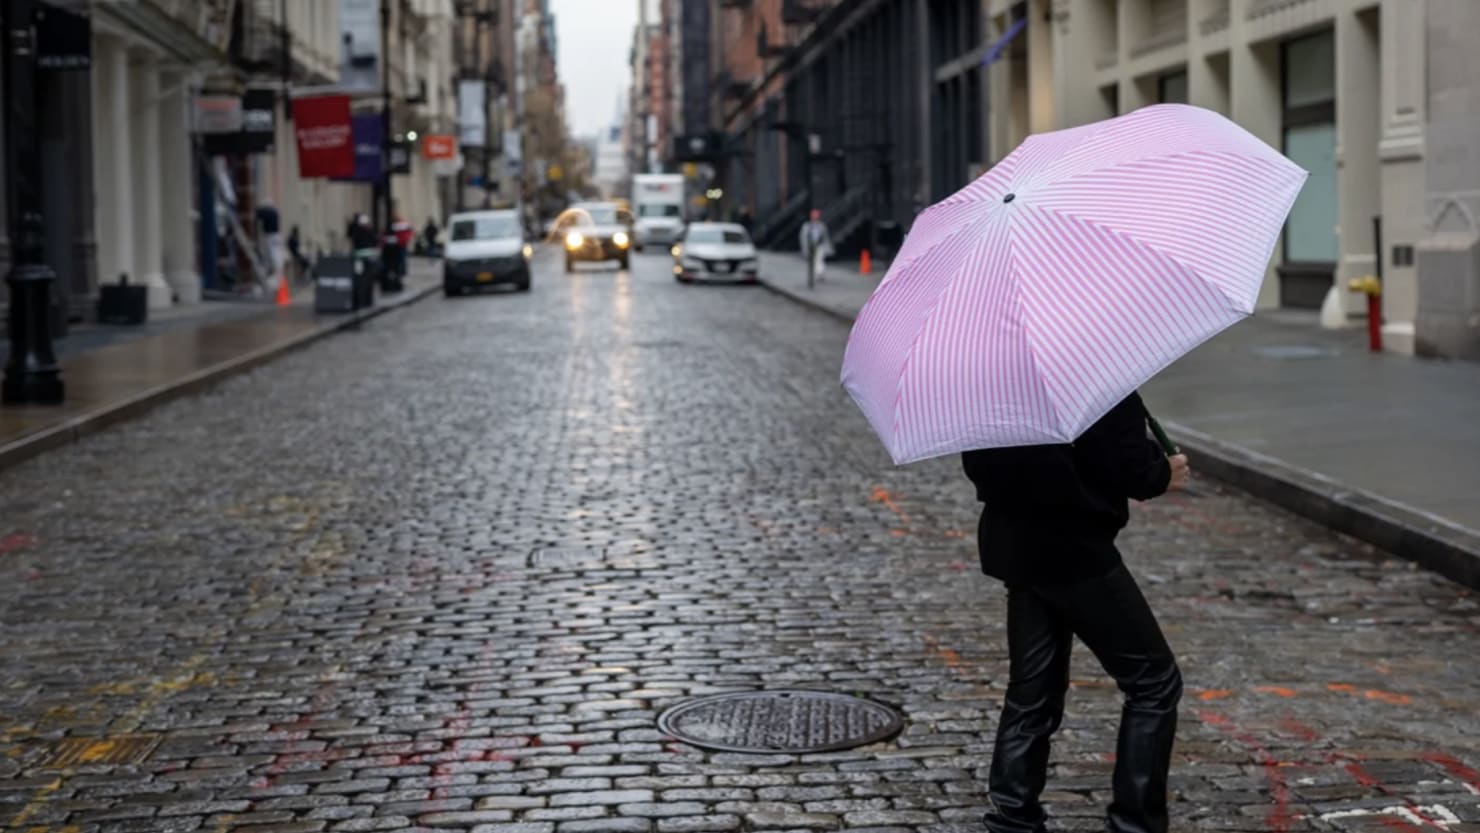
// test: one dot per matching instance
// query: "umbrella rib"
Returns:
(909, 355)
(1145, 151)
(965, 224)
(1132, 238)
(1017, 296)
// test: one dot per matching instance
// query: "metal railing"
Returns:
(785, 220)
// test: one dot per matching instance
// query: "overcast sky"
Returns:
(595, 37)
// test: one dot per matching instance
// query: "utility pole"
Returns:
(386, 200)
(31, 374)
(287, 61)
(483, 67)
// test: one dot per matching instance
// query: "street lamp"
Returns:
(811, 146)
(31, 374)
(388, 201)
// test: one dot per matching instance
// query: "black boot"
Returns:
(1143, 753)
(1038, 645)
(1111, 616)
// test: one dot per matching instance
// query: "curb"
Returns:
(1428, 540)
(809, 303)
(1436, 544)
(93, 421)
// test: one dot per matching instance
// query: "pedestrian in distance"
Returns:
(816, 245)
(270, 240)
(295, 252)
(429, 234)
(362, 237)
(397, 241)
(1049, 520)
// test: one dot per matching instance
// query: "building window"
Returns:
(1308, 79)
(1172, 88)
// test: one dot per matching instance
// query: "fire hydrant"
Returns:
(1371, 286)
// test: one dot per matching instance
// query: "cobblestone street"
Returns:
(445, 571)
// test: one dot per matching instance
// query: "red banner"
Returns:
(439, 147)
(326, 144)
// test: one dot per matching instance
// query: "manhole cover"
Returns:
(780, 721)
(1291, 352)
(119, 749)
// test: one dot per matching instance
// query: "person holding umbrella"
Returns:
(1014, 327)
(1048, 526)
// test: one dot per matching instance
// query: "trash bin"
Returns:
(366, 274)
(123, 303)
(336, 285)
(889, 238)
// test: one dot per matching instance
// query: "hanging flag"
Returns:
(369, 134)
(259, 121)
(326, 146)
(1000, 46)
(439, 146)
(472, 115)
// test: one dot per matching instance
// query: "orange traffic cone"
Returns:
(282, 291)
(865, 263)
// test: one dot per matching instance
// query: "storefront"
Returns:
(1308, 136)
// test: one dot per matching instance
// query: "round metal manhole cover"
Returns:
(787, 721)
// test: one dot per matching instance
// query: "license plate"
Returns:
(485, 277)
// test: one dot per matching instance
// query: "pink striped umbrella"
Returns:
(1027, 304)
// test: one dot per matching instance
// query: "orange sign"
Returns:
(439, 147)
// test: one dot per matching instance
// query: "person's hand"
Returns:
(1181, 472)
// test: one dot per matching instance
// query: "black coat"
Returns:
(1051, 512)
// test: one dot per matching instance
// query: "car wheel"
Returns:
(523, 284)
(450, 290)
(626, 262)
(570, 265)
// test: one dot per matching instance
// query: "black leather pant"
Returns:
(1111, 617)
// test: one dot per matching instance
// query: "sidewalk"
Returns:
(1380, 446)
(114, 374)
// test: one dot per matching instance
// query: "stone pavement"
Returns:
(1312, 404)
(115, 373)
(444, 573)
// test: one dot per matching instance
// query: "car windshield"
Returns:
(657, 211)
(714, 235)
(484, 228)
(600, 215)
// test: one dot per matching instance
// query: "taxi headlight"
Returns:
(528, 251)
(574, 240)
(620, 238)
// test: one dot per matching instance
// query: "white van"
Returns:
(657, 204)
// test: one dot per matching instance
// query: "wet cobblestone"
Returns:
(443, 574)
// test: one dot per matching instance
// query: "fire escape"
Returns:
(833, 93)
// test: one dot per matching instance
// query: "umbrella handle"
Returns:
(1161, 436)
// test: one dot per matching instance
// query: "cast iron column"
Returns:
(385, 114)
(31, 374)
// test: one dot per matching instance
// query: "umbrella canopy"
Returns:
(1023, 307)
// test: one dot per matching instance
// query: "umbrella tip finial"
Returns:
(1009, 198)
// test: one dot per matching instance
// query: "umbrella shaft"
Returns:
(1161, 436)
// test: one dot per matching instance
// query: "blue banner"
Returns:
(369, 135)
